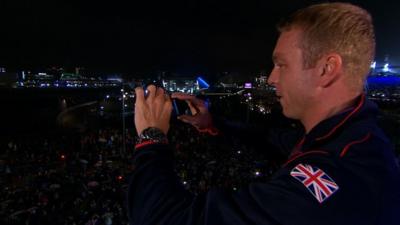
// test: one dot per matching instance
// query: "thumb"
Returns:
(192, 108)
(186, 118)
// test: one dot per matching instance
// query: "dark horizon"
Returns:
(179, 36)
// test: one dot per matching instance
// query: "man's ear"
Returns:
(331, 69)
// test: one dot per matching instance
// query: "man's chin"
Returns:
(287, 114)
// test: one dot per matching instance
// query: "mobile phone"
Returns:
(180, 107)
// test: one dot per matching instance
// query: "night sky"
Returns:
(183, 36)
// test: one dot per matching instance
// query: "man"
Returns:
(343, 170)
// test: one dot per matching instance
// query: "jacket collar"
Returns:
(328, 128)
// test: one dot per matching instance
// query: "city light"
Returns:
(386, 67)
(373, 65)
(248, 85)
(202, 83)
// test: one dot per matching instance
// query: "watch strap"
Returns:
(149, 136)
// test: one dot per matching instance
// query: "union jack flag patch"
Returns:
(316, 181)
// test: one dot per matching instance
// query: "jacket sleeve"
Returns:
(156, 196)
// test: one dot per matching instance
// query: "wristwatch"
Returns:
(152, 135)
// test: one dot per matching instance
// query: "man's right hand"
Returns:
(201, 118)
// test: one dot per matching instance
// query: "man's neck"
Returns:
(327, 109)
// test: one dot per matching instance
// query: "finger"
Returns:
(193, 109)
(139, 95)
(160, 92)
(167, 109)
(187, 119)
(166, 106)
(167, 98)
(191, 98)
(157, 104)
(182, 96)
(160, 96)
(151, 92)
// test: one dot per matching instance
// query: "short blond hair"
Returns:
(340, 28)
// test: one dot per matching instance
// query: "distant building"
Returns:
(63, 80)
(181, 84)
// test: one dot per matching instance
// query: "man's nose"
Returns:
(273, 77)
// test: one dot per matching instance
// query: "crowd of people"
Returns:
(82, 178)
(204, 161)
(64, 180)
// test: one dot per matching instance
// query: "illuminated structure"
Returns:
(383, 84)
(384, 69)
(66, 80)
(181, 84)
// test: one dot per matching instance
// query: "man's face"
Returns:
(294, 84)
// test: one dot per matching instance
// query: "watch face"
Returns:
(152, 133)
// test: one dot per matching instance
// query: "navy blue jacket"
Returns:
(342, 172)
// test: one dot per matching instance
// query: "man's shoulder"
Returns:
(359, 138)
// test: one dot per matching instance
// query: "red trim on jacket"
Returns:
(301, 142)
(150, 142)
(303, 154)
(345, 119)
(211, 131)
(297, 149)
(346, 148)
